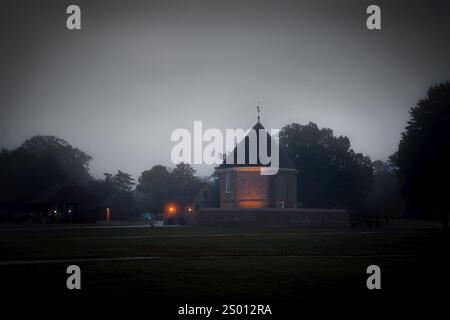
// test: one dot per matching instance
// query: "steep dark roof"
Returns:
(284, 161)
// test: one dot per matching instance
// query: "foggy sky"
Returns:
(140, 69)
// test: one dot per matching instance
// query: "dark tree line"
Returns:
(331, 173)
(423, 155)
(44, 161)
(39, 163)
(160, 185)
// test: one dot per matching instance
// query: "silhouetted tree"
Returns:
(423, 155)
(186, 184)
(157, 185)
(161, 185)
(39, 163)
(331, 174)
(73, 161)
(121, 181)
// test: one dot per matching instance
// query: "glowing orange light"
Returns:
(170, 208)
(190, 209)
(252, 203)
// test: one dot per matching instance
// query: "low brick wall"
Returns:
(272, 217)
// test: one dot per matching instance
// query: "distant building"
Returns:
(66, 202)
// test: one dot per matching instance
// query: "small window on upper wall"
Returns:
(228, 183)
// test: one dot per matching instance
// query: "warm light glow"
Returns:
(190, 209)
(252, 203)
(170, 208)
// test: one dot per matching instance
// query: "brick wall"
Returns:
(250, 189)
(227, 200)
(272, 217)
(283, 189)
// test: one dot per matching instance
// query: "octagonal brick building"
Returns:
(243, 186)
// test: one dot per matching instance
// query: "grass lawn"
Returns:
(224, 264)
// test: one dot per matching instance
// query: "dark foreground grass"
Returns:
(60, 243)
(223, 264)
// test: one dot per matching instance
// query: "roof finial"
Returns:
(258, 110)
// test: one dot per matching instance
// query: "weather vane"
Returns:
(258, 109)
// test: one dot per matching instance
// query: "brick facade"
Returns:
(272, 217)
(247, 188)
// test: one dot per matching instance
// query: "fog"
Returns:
(140, 69)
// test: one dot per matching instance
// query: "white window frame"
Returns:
(228, 182)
